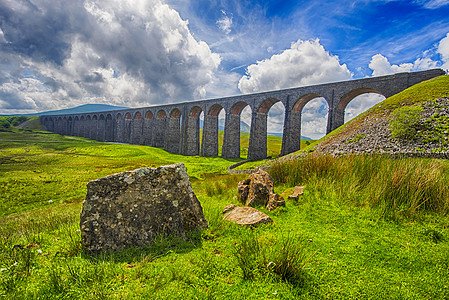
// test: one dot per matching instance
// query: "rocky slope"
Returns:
(371, 132)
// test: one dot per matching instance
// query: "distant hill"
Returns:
(86, 108)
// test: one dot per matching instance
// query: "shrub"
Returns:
(405, 122)
(4, 124)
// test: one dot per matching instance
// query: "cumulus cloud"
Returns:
(305, 63)
(381, 66)
(443, 49)
(127, 52)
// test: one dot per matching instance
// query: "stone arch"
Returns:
(88, 126)
(82, 126)
(160, 125)
(259, 124)
(137, 128)
(148, 128)
(173, 136)
(231, 140)
(192, 131)
(308, 117)
(101, 128)
(59, 125)
(291, 140)
(365, 97)
(353, 94)
(195, 111)
(237, 108)
(149, 115)
(127, 128)
(94, 127)
(76, 126)
(69, 126)
(119, 127)
(109, 128)
(210, 138)
(161, 114)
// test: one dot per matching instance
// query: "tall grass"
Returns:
(395, 186)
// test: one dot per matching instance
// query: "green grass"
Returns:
(331, 244)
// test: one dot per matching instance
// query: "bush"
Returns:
(4, 124)
(405, 122)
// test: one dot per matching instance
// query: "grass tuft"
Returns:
(394, 186)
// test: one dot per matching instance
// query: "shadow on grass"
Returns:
(160, 247)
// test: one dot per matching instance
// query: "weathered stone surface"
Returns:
(243, 190)
(297, 191)
(260, 188)
(132, 208)
(275, 201)
(257, 190)
(245, 216)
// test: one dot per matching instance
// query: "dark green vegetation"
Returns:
(355, 233)
(6, 123)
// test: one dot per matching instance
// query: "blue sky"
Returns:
(56, 54)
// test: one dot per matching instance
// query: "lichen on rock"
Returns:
(132, 208)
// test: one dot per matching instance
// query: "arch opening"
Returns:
(275, 128)
(237, 131)
(360, 103)
(314, 119)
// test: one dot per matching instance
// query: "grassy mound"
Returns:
(415, 120)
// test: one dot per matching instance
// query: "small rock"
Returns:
(297, 191)
(246, 216)
(275, 201)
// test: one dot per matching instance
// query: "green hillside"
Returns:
(366, 227)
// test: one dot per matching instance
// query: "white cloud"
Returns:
(381, 66)
(433, 4)
(225, 23)
(443, 49)
(125, 52)
(314, 119)
(305, 63)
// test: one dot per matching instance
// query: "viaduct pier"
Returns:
(176, 127)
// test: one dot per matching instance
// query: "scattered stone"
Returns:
(275, 201)
(243, 190)
(260, 188)
(245, 216)
(257, 190)
(132, 208)
(297, 191)
(228, 208)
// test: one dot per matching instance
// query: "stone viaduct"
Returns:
(176, 127)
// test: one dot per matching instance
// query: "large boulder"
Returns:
(132, 208)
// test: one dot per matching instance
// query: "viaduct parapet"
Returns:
(176, 127)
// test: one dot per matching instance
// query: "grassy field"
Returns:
(347, 237)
